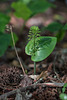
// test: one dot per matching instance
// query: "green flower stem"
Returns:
(33, 34)
(34, 44)
(34, 68)
(34, 55)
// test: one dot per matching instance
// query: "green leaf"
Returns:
(53, 27)
(4, 43)
(63, 96)
(15, 39)
(63, 89)
(65, 27)
(39, 6)
(44, 48)
(65, 85)
(26, 1)
(21, 10)
(60, 35)
(4, 19)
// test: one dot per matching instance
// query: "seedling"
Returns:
(63, 96)
(39, 47)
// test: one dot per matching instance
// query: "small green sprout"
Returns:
(63, 96)
(39, 47)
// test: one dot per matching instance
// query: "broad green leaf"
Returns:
(39, 6)
(21, 10)
(60, 35)
(53, 27)
(65, 27)
(45, 47)
(4, 19)
(63, 96)
(15, 39)
(4, 43)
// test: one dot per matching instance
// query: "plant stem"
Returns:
(34, 55)
(34, 68)
(16, 51)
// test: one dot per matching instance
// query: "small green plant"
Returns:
(39, 47)
(57, 28)
(63, 96)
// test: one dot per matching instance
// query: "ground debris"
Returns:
(9, 76)
(45, 94)
(26, 81)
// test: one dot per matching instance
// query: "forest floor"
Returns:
(51, 73)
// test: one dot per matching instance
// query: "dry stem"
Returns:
(16, 51)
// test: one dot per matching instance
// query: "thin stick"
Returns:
(23, 89)
(16, 51)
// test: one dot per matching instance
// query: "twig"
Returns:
(23, 89)
(16, 51)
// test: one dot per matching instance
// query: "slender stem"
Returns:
(34, 44)
(16, 51)
(34, 55)
(34, 68)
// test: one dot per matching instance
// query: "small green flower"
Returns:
(33, 34)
